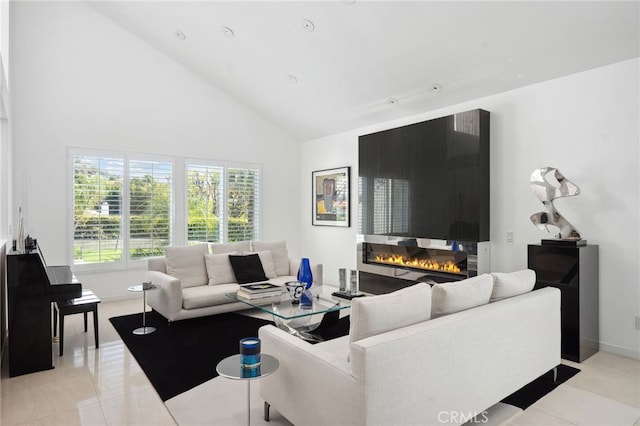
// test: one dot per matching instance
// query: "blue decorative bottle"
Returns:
(304, 272)
(305, 276)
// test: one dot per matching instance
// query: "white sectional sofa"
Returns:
(193, 280)
(400, 365)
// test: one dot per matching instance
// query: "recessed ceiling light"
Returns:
(292, 79)
(393, 101)
(228, 32)
(308, 25)
(180, 35)
(436, 87)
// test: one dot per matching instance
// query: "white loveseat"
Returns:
(192, 280)
(399, 367)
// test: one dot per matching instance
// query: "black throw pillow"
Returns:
(248, 269)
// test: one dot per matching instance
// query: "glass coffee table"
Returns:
(297, 319)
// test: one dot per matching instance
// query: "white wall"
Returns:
(79, 80)
(5, 132)
(587, 126)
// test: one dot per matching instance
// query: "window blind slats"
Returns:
(123, 208)
(97, 198)
(150, 207)
(243, 204)
(205, 186)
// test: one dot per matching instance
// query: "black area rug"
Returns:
(183, 355)
(529, 394)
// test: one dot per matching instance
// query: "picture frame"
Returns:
(331, 197)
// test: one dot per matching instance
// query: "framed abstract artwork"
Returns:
(331, 197)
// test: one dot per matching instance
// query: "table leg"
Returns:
(95, 325)
(248, 402)
(144, 310)
(144, 330)
(61, 341)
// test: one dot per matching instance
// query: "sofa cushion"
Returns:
(238, 247)
(219, 268)
(456, 296)
(279, 253)
(267, 262)
(187, 264)
(509, 284)
(377, 314)
(247, 269)
(207, 295)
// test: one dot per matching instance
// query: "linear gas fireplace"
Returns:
(445, 261)
(387, 263)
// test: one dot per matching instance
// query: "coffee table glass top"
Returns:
(285, 309)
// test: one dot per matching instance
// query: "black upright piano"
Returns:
(31, 287)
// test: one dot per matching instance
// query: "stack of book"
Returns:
(259, 290)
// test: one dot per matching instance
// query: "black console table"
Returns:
(572, 267)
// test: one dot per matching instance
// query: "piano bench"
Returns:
(88, 302)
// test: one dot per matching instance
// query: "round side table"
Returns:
(231, 368)
(143, 288)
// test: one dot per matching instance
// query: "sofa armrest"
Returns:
(167, 299)
(157, 263)
(320, 377)
(316, 271)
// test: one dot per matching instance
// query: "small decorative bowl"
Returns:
(295, 289)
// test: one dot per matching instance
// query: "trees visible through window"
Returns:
(124, 208)
(205, 186)
(222, 209)
(150, 207)
(243, 204)
(97, 209)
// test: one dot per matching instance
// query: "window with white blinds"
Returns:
(124, 205)
(205, 198)
(243, 204)
(97, 209)
(223, 203)
(122, 208)
(150, 207)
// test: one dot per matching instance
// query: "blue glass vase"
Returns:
(304, 272)
(305, 276)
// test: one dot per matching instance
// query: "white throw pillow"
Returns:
(447, 298)
(509, 284)
(279, 253)
(187, 264)
(267, 262)
(238, 247)
(219, 268)
(373, 315)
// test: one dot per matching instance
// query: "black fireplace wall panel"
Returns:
(427, 180)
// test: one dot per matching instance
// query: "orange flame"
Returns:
(393, 259)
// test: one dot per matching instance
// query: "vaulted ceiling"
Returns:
(319, 68)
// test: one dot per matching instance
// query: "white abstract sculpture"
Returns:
(551, 220)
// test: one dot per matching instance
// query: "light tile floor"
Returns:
(107, 387)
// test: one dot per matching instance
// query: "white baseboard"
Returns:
(627, 353)
(119, 298)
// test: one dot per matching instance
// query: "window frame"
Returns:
(225, 165)
(178, 222)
